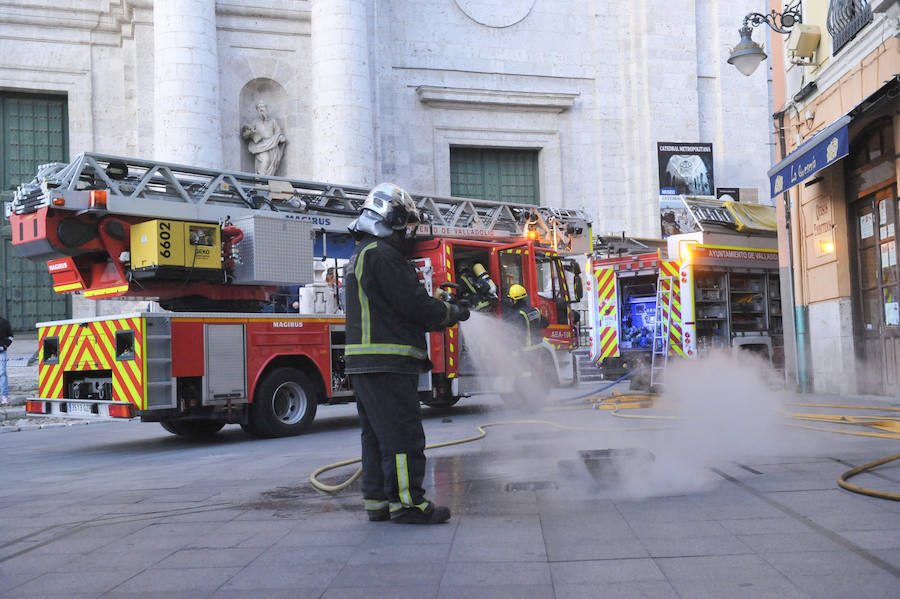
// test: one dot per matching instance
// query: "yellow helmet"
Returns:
(516, 292)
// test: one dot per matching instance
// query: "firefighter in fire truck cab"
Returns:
(530, 385)
(476, 287)
(388, 315)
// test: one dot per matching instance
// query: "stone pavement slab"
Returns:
(128, 511)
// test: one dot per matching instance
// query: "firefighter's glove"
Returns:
(458, 313)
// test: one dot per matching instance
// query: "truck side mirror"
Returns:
(572, 267)
(579, 288)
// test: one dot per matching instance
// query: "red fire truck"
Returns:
(211, 248)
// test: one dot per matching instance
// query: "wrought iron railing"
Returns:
(845, 19)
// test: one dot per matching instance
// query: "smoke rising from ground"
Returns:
(727, 410)
(721, 409)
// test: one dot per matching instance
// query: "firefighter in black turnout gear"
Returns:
(531, 385)
(388, 315)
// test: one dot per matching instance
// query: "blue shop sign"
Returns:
(823, 149)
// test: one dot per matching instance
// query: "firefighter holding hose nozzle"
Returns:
(388, 314)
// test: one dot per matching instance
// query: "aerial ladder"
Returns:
(85, 219)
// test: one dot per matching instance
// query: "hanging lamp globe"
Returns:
(747, 55)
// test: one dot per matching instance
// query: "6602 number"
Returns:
(165, 234)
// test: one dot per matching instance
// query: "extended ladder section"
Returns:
(662, 323)
(144, 188)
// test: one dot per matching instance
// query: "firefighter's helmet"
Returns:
(387, 208)
(516, 292)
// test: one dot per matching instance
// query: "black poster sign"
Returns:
(728, 193)
(686, 168)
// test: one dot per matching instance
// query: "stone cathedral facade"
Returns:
(546, 101)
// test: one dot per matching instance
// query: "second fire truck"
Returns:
(714, 286)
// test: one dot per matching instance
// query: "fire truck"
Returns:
(715, 285)
(210, 248)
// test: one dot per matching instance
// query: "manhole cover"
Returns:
(611, 465)
(541, 485)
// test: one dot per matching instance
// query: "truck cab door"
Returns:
(510, 265)
(552, 289)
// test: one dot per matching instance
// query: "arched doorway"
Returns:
(873, 206)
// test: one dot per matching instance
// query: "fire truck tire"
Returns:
(196, 429)
(284, 404)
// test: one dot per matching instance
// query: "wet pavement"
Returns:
(127, 510)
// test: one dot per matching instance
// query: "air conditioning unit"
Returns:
(802, 43)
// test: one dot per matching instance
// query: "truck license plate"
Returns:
(79, 408)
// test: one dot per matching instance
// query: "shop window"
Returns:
(876, 241)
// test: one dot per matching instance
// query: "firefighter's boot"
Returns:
(377, 510)
(433, 514)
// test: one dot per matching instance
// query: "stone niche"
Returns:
(273, 95)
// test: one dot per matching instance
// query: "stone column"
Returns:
(186, 122)
(343, 136)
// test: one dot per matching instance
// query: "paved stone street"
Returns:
(128, 510)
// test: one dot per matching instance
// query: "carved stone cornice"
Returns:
(110, 21)
(489, 99)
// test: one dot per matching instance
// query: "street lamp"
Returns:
(747, 55)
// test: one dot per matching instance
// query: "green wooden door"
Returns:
(33, 131)
(496, 175)
(28, 295)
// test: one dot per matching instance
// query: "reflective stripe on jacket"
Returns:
(388, 311)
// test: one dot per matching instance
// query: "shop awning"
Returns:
(823, 149)
(750, 218)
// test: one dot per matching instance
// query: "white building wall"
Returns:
(592, 84)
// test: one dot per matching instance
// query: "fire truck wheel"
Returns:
(284, 405)
(193, 428)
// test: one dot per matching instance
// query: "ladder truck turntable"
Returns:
(211, 247)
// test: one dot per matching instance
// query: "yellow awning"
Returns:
(752, 217)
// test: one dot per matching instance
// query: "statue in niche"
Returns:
(265, 141)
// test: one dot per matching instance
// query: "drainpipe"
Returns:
(801, 315)
(801, 312)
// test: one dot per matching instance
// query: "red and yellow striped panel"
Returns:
(92, 347)
(606, 294)
(670, 269)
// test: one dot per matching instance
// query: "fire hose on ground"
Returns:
(617, 402)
